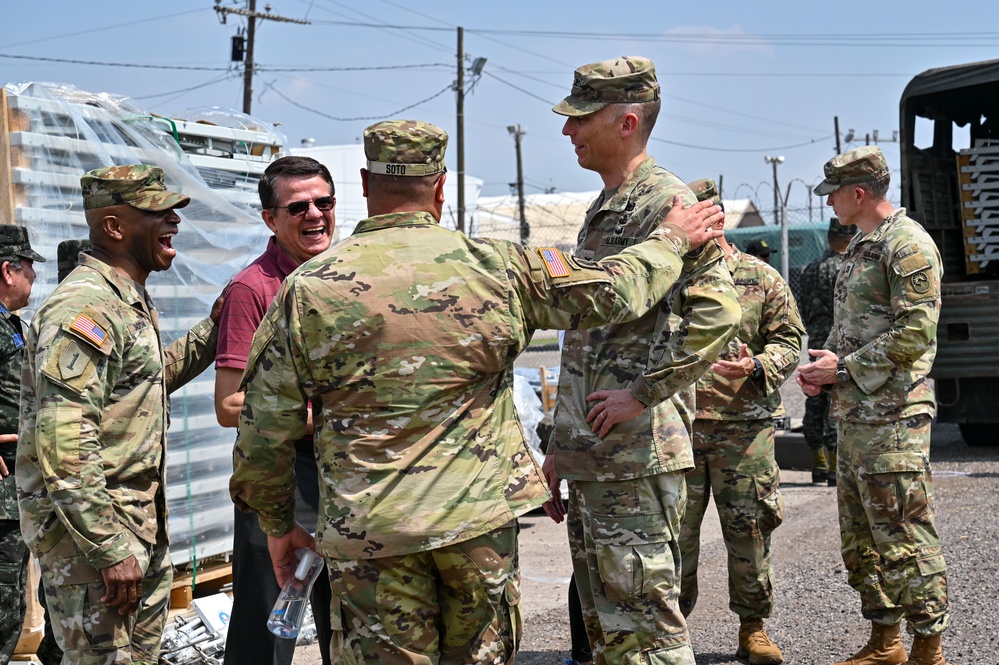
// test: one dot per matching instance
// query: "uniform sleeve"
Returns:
(189, 355)
(72, 376)
(708, 306)
(560, 291)
(808, 287)
(781, 330)
(274, 417)
(914, 286)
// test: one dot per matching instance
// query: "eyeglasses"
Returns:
(299, 208)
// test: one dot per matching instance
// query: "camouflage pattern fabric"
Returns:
(410, 365)
(885, 325)
(13, 580)
(14, 244)
(139, 185)
(734, 462)
(68, 255)
(90, 636)
(653, 356)
(625, 80)
(387, 610)
(771, 327)
(94, 416)
(818, 282)
(625, 557)
(864, 164)
(891, 546)
(405, 148)
(887, 306)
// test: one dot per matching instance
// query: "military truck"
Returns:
(952, 187)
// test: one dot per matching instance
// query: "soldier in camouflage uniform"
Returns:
(817, 282)
(621, 435)
(94, 412)
(403, 339)
(17, 275)
(736, 402)
(68, 255)
(882, 345)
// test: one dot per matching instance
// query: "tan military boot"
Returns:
(755, 644)
(883, 648)
(926, 651)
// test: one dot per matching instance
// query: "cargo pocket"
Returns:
(340, 649)
(898, 498)
(769, 502)
(634, 554)
(516, 621)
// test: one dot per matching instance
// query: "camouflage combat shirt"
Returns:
(94, 414)
(654, 357)
(818, 280)
(404, 337)
(11, 356)
(771, 328)
(885, 325)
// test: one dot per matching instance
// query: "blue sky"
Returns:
(740, 80)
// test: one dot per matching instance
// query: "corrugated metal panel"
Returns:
(968, 332)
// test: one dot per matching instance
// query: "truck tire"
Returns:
(980, 434)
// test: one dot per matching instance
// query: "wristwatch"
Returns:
(758, 370)
(842, 373)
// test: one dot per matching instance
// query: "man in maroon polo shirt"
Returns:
(297, 201)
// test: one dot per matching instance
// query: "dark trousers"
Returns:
(581, 652)
(254, 588)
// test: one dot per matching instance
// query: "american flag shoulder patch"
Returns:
(554, 262)
(89, 330)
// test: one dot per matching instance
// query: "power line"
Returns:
(71, 61)
(518, 88)
(378, 117)
(701, 147)
(90, 31)
(217, 79)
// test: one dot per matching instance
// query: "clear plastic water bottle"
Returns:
(289, 610)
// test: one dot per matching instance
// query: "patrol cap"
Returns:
(405, 147)
(865, 164)
(837, 229)
(625, 80)
(14, 244)
(705, 190)
(68, 255)
(139, 185)
(760, 247)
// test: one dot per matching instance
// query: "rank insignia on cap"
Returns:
(86, 327)
(554, 262)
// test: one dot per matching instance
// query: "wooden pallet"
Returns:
(208, 579)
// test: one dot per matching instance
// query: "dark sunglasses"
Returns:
(297, 208)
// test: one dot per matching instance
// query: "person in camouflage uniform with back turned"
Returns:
(622, 432)
(17, 274)
(94, 414)
(736, 402)
(818, 279)
(882, 345)
(403, 338)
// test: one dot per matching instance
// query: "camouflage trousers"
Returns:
(890, 542)
(623, 540)
(87, 630)
(13, 578)
(819, 431)
(734, 462)
(458, 604)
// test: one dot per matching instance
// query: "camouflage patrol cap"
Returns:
(705, 190)
(139, 185)
(68, 255)
(14, 244)
(405, 147)
(857, 166)
(837, 229)
(625, 80)
(759, 247)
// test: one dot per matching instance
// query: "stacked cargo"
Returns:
(49, 136)
(978, 175)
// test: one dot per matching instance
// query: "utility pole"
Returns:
(460, 89)
(839, 149)
(525, 228)
(780, 217)
(251, 31)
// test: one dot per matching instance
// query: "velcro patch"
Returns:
(89, 330)
(554, 262)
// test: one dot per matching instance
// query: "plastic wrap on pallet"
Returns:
(57, 133)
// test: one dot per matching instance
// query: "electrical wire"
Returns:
(378, 117)
(90, 31)
(518, 88)
(701, 147)
(217, 79)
